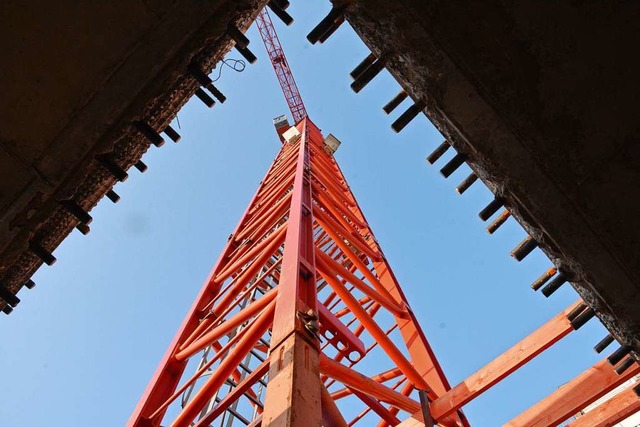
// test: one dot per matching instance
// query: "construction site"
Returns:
(320, 213)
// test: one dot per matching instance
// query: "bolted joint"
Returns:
(309, 320)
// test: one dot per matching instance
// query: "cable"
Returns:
(238, 66)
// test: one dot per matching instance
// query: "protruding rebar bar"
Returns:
(282, 4)
(205, 81)
(148, 132)
(604, 343)
(8, 296)
(537, 284)
(453, 164)
(241, 41)
(393, 104)
(246, 54)
(74, 209)
(491, 208)
(438, 152)
(83, 228)
(576, 311)
(280, 13)
(366, 63)
(172, 134)
(583, 318)
(554, 285)
(497, 223)
(619, 354)
(46, 256)
(466, 183)
(107, 162)
(113, 196)
(205, 98)
(141, 166)
(329, 23)
(524, 248)
(367, 75)
(409, 114)
(332, 29)
(626, 364)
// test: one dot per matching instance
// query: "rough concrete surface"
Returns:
(74, 79)
(542, 97)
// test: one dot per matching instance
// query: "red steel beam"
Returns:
(572, 397)
(358, 381)
(294, 388)
(502, 366)
(420, 351)
(168, 373)
(331, 415)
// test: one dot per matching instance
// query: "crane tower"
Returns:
(302, 323)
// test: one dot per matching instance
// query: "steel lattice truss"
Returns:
(302, 323)
(300, 299)
(281, 66)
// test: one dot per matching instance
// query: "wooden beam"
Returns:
(611, 412)
(499, 368)
(574, 396)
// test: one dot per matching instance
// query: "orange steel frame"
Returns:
(300, 297)
(301, 322)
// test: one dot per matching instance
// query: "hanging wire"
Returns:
(237, 65)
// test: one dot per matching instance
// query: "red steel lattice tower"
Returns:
(299, 300)
(301, 321)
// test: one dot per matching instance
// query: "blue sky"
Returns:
(81, 347)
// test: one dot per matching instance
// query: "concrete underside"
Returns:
(540, 95)
(75, 77)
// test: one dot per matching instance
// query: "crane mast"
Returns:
(281, 66)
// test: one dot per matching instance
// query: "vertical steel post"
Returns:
(294, 389)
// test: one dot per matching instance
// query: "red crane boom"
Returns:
(281, 66)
